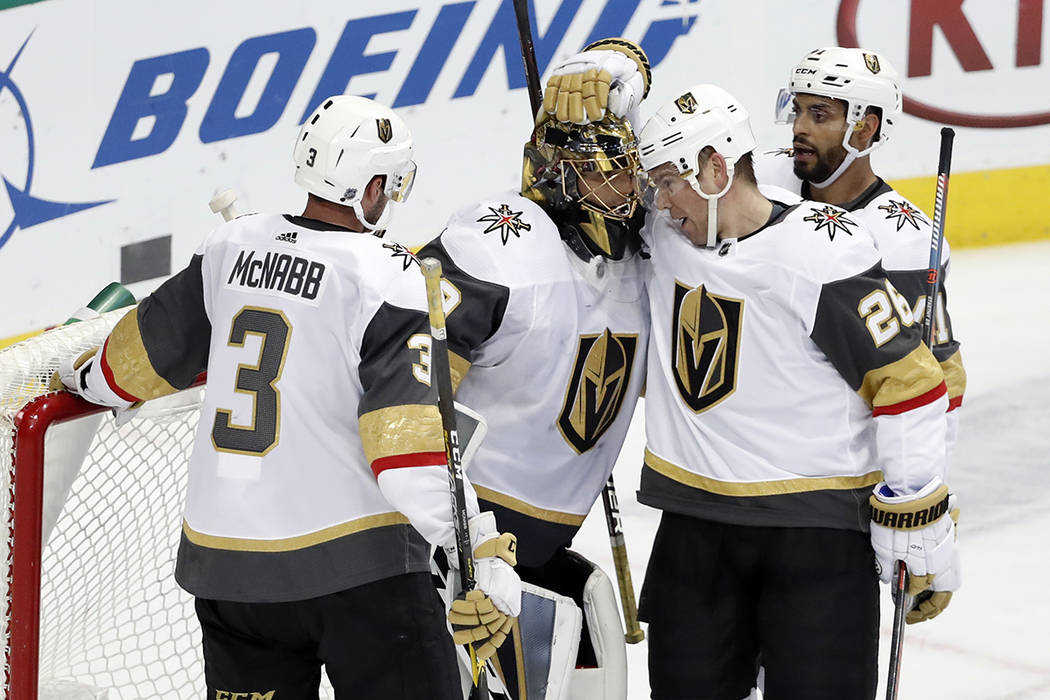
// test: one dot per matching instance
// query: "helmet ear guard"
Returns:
(345, 143)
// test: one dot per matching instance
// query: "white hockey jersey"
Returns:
(902, 234)
(555, 348)
(294, 320)
(785, 376)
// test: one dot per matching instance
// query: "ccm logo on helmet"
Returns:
(958, 28)
(184, 71)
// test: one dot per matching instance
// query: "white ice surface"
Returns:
(992, 642)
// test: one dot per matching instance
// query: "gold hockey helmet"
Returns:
(592, 169)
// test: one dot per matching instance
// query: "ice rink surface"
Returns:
(993, 641)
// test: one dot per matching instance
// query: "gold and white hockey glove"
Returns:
(83, 376)
(475, 620)
(610, 75)
(485, 615)
(919, 530)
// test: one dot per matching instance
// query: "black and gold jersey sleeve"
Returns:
(163, 345)
(912, 284)
(398, 417)
(865, 327)
(478, 310)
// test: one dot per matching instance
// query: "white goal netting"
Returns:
(113, 622)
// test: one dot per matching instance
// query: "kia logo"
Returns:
(962, 39)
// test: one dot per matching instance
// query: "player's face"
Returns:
(607, 189)
(818, 128)
(674, 195)
(373, 207)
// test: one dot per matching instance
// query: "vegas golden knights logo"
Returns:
(686, 103)
(386, 132)
(872, 62)
(596, 390)
(705, 344)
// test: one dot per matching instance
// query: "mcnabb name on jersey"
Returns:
(278, 272)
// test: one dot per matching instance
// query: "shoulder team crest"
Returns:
(506, 221)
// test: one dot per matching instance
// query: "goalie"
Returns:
(548, 324)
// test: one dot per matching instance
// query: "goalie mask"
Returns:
(344, 144)
(585, 178)
(861, 79)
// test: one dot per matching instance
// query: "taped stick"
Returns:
(634, 633)
(441, 372)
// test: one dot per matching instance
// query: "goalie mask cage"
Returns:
(93, 519)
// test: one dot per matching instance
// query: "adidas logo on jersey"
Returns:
(287, 237)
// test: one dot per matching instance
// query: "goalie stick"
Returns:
(442, 373)
(634, 632)
(902, 602)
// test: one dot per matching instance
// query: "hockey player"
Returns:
(843, 103)
(312, 503)
(548, 322)
(787, 377)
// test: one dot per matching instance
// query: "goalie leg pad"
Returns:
(608, 681)
(545, 649)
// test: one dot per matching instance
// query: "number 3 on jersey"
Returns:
(258, 381)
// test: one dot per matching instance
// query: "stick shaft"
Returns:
(901, 603)
(937, 237)
(623, 568)
(441, 374)
(528, 55)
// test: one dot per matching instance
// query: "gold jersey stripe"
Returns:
(128, 360)
(913, 375)
(459, 367)
(759, 488)
(287, 544)
(551, 516)
(954, 375)
(400, 430)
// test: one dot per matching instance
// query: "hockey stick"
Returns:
(623, 568)
(902, 602)
(528, 55)
(634, 632)
(442, 373)
(937, 239)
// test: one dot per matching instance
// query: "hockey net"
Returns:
(93, 509)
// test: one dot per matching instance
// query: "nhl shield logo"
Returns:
(706, 345)
(597, 387)
(686, 103)
(386, 132)
(872, 62)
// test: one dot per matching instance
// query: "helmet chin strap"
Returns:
(712, 205)
(851, 155)
(381, 223)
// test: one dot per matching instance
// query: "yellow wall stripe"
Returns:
(989, 207)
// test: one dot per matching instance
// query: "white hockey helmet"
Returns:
(860, 78)
(704, 115)
(344, 144)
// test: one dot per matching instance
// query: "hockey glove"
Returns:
(609, 75)
(919, 531)
(475, 620)
(82, 376)
(494, 560)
